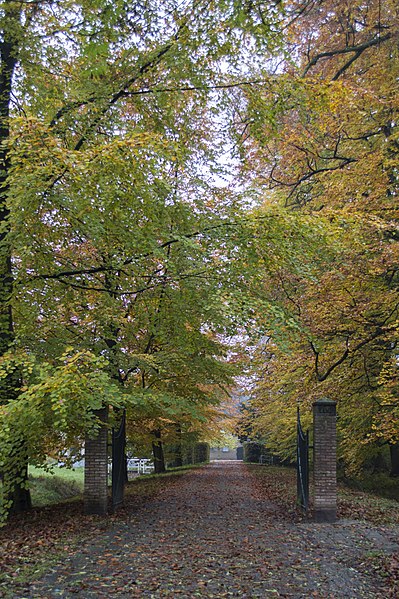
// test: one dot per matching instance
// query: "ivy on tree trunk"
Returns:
(10, 385)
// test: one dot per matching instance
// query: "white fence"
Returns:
(140, 465)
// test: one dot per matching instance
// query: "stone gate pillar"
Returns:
(96, 470)
(325, 460)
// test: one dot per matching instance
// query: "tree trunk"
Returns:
(21, 498)
(179, 449)
(394, 451)
(119, 458)
(10, 26)
(8, 53)
(157, 450)
(16, 493)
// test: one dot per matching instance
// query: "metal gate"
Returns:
(302, 466)
(118, 463)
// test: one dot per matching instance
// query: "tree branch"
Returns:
(111, 268)
(157, 90)
(359, 49)
(312, 173)
(322, 377)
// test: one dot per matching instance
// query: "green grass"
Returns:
(61, 484)
(55, 486)
(379, 483)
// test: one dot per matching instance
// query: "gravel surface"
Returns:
(212, 534)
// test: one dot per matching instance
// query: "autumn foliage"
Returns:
(184, 178)
(323, 139)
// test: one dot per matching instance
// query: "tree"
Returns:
(54, 410)
(323, 136)
(85, 87)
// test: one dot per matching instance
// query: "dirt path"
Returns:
(211, 535)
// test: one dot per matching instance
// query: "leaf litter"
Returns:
(225, 530)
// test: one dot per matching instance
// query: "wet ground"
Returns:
(212, 534)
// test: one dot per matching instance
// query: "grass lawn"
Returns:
(61, 484)
(57, 485)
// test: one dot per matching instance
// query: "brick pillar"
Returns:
(325, 460)
(96, 471)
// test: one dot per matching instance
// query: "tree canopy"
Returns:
(323, 138)
(174, 174)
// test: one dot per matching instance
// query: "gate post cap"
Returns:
(324, 401)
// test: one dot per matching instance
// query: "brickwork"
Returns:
(325, 460)
(96, 472)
